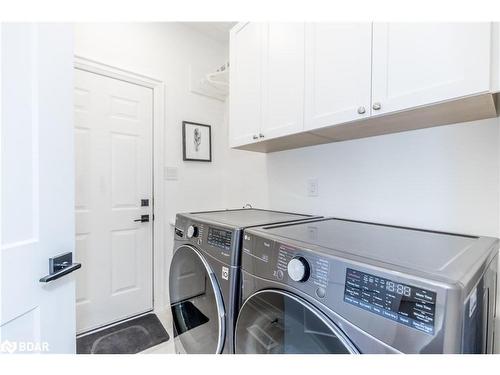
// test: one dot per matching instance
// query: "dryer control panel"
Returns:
(217, 241)
(220, 238)
(406, 304)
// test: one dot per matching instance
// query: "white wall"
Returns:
(446, 178)
(164, 51)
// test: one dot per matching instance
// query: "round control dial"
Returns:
(298, 269)
(192, 231)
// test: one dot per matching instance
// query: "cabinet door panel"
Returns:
(245, 99)
(495, 59)
(416, 64)
(338, 73)
(283, 80)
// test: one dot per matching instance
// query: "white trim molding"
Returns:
(159, 224)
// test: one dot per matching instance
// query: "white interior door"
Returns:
(37, 174)
(113, 139)
(338, 68)
(417, 64)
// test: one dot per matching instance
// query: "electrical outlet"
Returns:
(312, 187)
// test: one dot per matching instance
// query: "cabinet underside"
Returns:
(465, 109)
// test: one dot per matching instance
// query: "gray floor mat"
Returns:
(128, 337)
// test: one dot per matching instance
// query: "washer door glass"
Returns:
(196, 303)
(278, 322)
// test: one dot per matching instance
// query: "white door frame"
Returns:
(158, 88)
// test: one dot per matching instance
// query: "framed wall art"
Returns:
(196, 141)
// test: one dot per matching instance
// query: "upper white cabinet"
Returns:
(245, 100)
(416, 64)
(337, 73)
(296, 84)
(283, 79)
(267, 81)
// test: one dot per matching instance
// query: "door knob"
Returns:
(143, 219)
(361, 110)
(377, 106)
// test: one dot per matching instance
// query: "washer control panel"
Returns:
(302, 268)
(286, 264)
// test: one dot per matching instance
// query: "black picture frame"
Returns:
(184, 148)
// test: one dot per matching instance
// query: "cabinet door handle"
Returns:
(255, 136)
(376, 106)
(361, 110)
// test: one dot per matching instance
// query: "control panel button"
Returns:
(298, 269)
(192, 231)
(279, 275)
(179, 233)
(321, 292)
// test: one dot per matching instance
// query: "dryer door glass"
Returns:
(278, 322)
(196, 303)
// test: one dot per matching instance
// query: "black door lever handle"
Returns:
(143, 219)
(59, 266)
(63, 271)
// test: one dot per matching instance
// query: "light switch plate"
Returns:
(171, 173)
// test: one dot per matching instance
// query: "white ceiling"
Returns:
(215, 30)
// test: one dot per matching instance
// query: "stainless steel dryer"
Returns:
(340, 286)
(204, 275)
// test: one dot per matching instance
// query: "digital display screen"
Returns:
(405, 304)
(220, 238)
